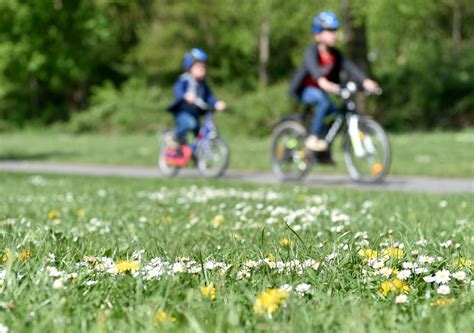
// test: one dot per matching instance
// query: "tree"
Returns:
(51, 52)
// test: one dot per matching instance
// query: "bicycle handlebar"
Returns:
(206, 107)
(351, 88)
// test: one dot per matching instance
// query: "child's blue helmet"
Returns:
(192, 56)
(325, 21)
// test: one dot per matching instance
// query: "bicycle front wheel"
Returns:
(165, 168)
(213, 157)
(369, 159)
(290, 158)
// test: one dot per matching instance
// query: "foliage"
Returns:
(53, 52)
(132, 107)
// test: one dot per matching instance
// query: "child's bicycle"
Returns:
(208, 151)
(367, 153)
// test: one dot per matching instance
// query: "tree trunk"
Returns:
(355, 38)
(264, 53)
(457, 25)
(34, 97)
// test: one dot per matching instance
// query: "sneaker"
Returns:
(179, 157)
(171, 142)
(315, 144)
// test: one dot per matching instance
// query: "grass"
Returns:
(441, 154)
(63, 239)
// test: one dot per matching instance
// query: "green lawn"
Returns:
(444, 154)
(122, 255)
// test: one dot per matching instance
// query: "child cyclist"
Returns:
(319, 75)
(192, 99)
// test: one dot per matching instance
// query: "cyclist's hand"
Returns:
(190, 98)
(220, 106)
(370, 85)
(328, 86)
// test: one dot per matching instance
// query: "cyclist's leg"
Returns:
(185, 122)
(323, 107)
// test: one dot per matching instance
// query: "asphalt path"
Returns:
(392, 183)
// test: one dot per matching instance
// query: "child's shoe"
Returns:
(315, 144)
(179, 157)
(171, 142)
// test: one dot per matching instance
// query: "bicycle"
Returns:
(208, 151)
(367, 152)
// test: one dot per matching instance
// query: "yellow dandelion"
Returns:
(126, 266)
(167, 219)
(367, 253)
(81, 212)
(443, 302)
(6, 256)
(24, 255)
(218, 220)
(301, 197)
(269, 301)
(393, 252)
(286, 242)
(208, 291)
(162, 317)
(271, 257)
(53, 214)
(396, 286)
(463, 262)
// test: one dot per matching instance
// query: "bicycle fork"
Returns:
(361, 143)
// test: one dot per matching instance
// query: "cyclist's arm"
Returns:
(179, 90)
(210, 99)
(311, 62)
(354, 72)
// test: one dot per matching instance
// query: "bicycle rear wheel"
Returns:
(290, 158)
(371, 163)
(213, 157)
(165, 168)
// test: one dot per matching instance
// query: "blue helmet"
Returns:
(324, 21)
(192, 56)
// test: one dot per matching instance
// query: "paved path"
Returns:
(392, 183)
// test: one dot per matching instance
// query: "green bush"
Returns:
(434, 92)
(255, 113)
(132, 107)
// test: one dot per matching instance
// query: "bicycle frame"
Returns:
(207, 131)
(343, 117)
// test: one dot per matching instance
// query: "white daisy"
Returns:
(404, 274)
(460, 276)
(408, 265)
(386, 272)
(3, 328)
(400, 299)
(58, 284)
(302, 288)
(443, 290)
(426, 260)
(378, 264)
(442, 276)
(286, 287)
(429, 279)
(420, 270)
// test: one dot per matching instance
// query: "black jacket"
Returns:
(311, 66)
